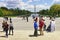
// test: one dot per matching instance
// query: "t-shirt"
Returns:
(6, 26)
(41, 23)
(52, 23)
(11, 25)
(35, 25)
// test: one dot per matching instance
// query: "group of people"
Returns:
(42, 26)
(7, 28)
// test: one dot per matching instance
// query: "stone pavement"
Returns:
(24, 35)
(23, 29)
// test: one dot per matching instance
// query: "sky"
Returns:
(28, 4)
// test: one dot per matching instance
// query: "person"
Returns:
(44, 25)
(41, 24)
(36, 18)
(6, 18)
(11, 27)
(6, 28)
(23, 17)
(52, 25)
(27, 18)
(3, 25)
(33, 16)
(10, 19)
(37, 22)
(50, 17)
(35, 28)
(49, 28)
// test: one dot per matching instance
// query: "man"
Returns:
(27, 18)
(41, 24)
(35, 28)
(11, 27)
(6, 28)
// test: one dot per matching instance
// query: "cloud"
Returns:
(2, 0)
(11, 3)
(40, 7)
(2, 4)
(27, 6)
(36, 0)
(29, 0)
(24, 5)
(46, 4)
(57, 0)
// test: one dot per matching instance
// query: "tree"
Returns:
(13, 12)
(1, 13)
(43, 12)
(55, 9)
(4, 8)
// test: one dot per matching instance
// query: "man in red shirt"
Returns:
(41, 24)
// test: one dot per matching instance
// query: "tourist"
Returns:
(35, 28)
(6, 28)
(6, 18)
(11, 27)
(41, 24)
(3, 25)
(44, 25)
(27, 18)
(52, 25)
(49, 28)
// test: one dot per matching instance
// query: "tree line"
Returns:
(53, 11)
(13, 12)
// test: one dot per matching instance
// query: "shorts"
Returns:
(11, 28)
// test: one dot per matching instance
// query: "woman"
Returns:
(3, 25)
(52, 25)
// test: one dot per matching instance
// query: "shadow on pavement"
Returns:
(1, 31)
(31, 35)
(3, 36)
(34, 36)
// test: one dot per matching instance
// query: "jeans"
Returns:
(35, 32)
(6, 30)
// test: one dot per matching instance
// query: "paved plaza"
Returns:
(22, 30)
